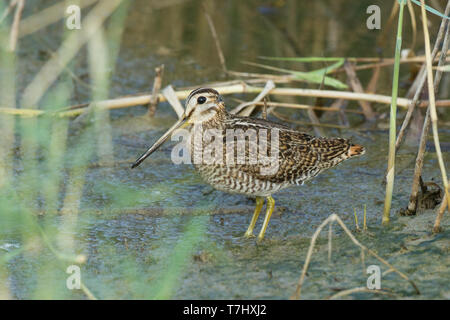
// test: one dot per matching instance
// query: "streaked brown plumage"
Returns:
(300, 158)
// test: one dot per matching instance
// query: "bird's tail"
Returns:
(356, 150)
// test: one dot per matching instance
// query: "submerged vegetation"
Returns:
(77, 106)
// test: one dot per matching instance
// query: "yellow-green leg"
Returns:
(259, 204)
(270, 206)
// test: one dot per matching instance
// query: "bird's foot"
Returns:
(249, 234)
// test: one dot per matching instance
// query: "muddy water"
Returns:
(159, 231)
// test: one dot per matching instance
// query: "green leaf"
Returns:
(316, 76)
(328, 69)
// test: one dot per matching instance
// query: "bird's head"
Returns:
(202, 105)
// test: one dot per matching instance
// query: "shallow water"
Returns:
(159, 231)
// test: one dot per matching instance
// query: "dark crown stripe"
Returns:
(201, 90)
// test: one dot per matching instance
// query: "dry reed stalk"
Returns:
(332, 94)
(440, 214)
(420, 80)
(241, 87)
(216, 38)
(155, 91)
(171, 97)
(246, 109)
(412, 204)
(432, 107)
(390, 176)
(220, 84)
(330, 219)
(15, 25)
(347, 292)
(357, 87)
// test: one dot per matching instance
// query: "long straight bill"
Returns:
(158, 143)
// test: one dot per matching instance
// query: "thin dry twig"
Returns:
(357, 87)
(171, 97)
(216, 39)
(155, 91)
(332, 218)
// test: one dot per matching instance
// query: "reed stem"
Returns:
(392, 127)
(433, 113)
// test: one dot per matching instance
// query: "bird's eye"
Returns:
(201, 100)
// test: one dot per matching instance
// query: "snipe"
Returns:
(246, 164)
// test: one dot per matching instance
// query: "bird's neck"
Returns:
(218, 120)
